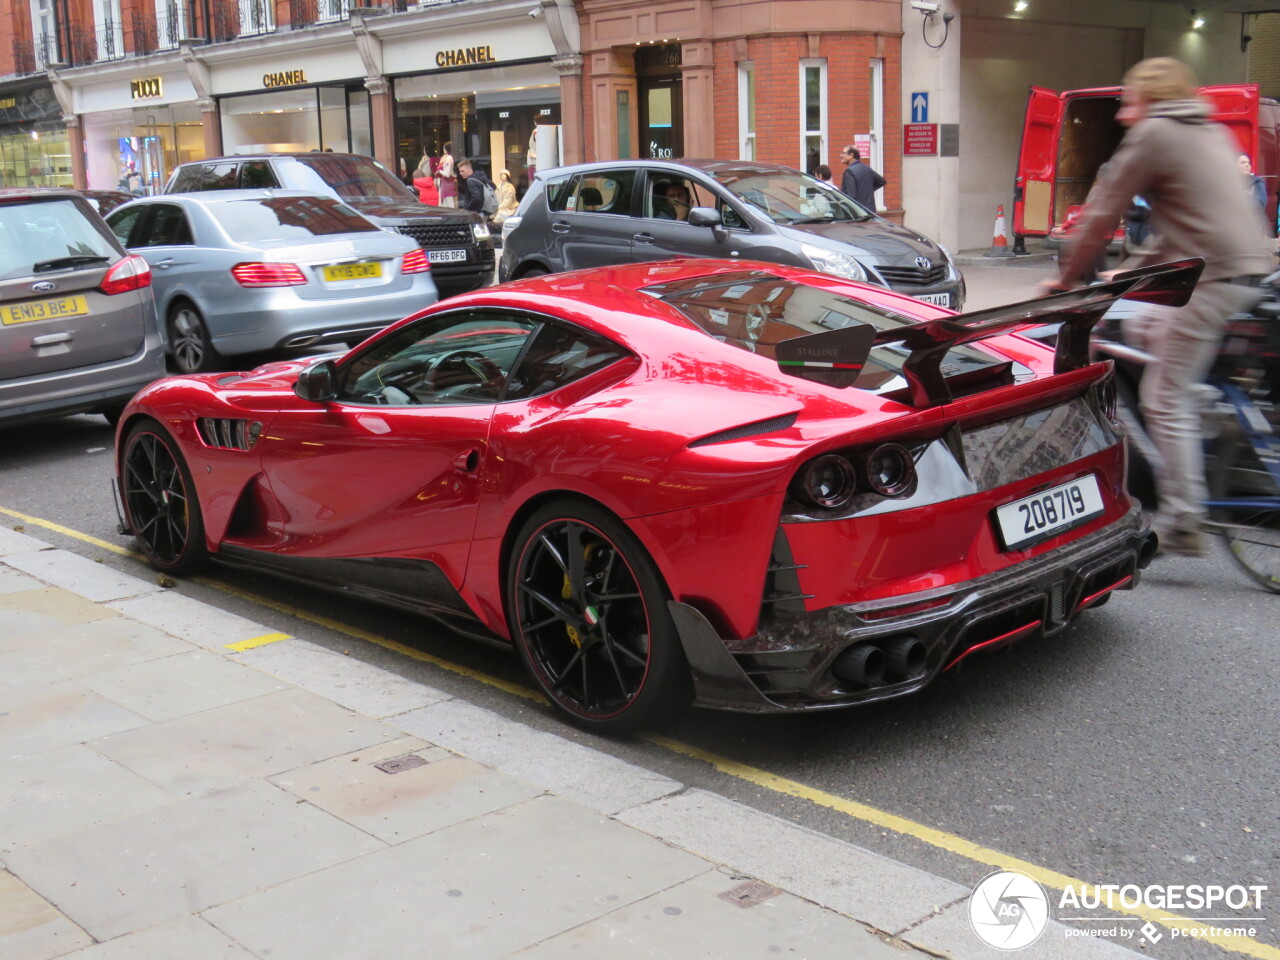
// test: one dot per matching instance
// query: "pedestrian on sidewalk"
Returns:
(1184, 165)
(425, 183)
(859, 182)
(472, 188)
(1254, 185)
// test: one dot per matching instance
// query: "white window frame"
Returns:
(877, 124)
(108, 29)
(171, 23)
(746, 110)
(821, 131)
(43, 33)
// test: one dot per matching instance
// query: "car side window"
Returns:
(668, 197)
(558, 355)
(257, 173)
(207, 176)
(123, 222)
(729, 216)
(607, 191)
(168, 227)
(558, 193)
(462, 357)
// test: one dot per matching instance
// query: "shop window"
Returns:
(813, 114)
(746, 111)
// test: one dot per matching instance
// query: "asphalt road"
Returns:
(1138, 747)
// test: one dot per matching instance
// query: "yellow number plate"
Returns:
(44, 310)
(353, 271)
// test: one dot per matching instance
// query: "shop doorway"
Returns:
(661, 93)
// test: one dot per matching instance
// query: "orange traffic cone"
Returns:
(999, 244)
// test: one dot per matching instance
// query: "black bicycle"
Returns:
(1241, 412)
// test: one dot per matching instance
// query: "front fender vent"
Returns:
(750, 430)
(228, 434)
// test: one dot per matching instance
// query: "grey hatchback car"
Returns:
(78, 331)
(623, 211)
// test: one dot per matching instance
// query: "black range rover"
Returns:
(457, 242)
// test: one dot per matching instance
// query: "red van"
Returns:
(1067, 136)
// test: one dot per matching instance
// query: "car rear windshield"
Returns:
(288, 218)
(788, 196)
(351, 177)
(756, 311)
(47, 235)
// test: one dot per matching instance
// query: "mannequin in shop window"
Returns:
(447, 178)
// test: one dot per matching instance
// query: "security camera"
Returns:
(535, 13)
(925, 7)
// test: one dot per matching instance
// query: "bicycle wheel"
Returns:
(1252, 536)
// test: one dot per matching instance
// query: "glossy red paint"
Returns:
(450, 483)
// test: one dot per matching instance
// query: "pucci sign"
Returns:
(147, 88)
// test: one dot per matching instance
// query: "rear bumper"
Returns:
(788, 664)
(86, 390)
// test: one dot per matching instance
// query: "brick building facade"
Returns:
(788, 81)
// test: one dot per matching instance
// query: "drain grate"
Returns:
(749, 894)
(401, 764)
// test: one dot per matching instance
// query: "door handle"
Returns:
(166, 262)
(51, 338)
(559, 226)
(467, 461)
(643, 238)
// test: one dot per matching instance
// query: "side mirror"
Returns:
(318, 382)
(708, 217)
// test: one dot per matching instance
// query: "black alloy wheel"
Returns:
(1252, 537)
(189, 340)
(160, 500)
(588, 613)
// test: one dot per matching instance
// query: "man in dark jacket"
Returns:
(471, 194)
(1183, 165)
(859, 181)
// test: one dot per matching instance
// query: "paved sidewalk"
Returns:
(180, 783)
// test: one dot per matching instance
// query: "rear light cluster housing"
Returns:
(268, 275)
(415, 261)
(831, 481)
(131, 273)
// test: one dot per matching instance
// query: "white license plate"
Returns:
(1048, 512)
(447, 256)
(937, 299)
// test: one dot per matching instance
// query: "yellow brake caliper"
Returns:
(566, 593)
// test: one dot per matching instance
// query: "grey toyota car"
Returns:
(622, 211)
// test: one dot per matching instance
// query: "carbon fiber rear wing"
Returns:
(1077, 311)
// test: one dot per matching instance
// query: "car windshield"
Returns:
(788, 196)
(288, 218)
(48, 235)
(351, 177)
(755, 311)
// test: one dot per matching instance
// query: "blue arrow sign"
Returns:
(920, 107)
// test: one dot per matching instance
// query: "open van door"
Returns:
(1235, 105)
(1037, 163)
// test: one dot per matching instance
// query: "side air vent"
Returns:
(750, 430)
(228, 434)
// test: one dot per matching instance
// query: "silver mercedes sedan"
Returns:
(243, 271)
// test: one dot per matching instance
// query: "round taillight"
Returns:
(889, 469)
(828, 482)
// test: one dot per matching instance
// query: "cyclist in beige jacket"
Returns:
(1184, 164)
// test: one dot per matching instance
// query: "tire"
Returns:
(189, 343)
(528, 273)
(595, 634)
(1252, 538)
(160, 502)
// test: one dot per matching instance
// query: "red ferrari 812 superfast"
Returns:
(740, 485)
